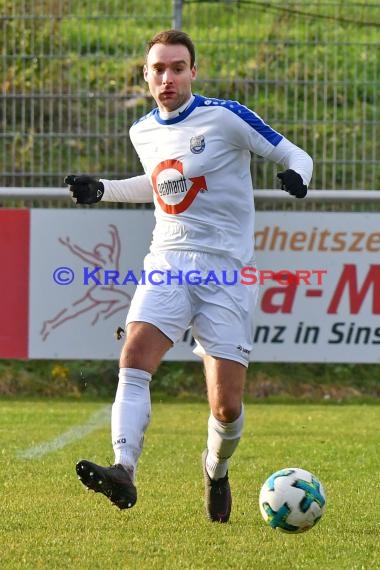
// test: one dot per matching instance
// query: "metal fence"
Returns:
(72, 81)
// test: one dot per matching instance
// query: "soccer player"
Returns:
(195, 152)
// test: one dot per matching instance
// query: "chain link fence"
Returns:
(72, 82)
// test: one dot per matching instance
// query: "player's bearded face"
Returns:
(169, 75)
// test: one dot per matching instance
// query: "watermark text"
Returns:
(245, 276)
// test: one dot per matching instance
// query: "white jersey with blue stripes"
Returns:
(199, 166)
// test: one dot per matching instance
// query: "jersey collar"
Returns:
(177, 115)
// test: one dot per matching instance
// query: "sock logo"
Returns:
(120, 440)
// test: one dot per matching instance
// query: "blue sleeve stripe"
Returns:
(256, 123)
(246, 115)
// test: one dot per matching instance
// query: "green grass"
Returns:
(49, 521)
(309, 70)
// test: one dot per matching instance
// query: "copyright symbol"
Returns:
(63, 275)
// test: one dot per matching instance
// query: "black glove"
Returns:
(85, 189)
(292, 182)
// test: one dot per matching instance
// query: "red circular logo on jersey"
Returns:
(174, 192)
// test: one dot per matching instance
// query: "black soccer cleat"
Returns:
(218, 499)
(115, 482)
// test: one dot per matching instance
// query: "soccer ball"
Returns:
(292, 500)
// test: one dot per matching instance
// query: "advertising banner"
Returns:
(319, 276)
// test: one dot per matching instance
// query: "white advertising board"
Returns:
(323, 307)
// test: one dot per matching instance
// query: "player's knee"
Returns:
(137, 353)
(226, 412)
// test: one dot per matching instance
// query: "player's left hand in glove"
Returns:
(85, 189)
(292, 182)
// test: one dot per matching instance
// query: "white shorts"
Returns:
(182, 289)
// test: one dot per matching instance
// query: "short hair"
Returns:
(172, 37)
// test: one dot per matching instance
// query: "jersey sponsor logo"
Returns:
(174, 192)
(197, 144)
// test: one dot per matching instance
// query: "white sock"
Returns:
(223, 439)
(130, 415)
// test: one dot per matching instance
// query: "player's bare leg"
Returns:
(225, 384)
(144, 347)
(142, 352)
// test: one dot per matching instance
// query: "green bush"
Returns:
(265, 381)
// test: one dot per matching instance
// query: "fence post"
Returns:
(177, 14)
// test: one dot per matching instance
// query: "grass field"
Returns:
(48, 520)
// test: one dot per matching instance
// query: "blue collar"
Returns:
(180, 117)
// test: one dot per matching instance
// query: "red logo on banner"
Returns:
(356, 296)
(281, 299)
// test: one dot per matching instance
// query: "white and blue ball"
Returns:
(292, 500)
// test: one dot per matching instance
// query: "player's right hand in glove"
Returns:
(292, 182)
(85, 189)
